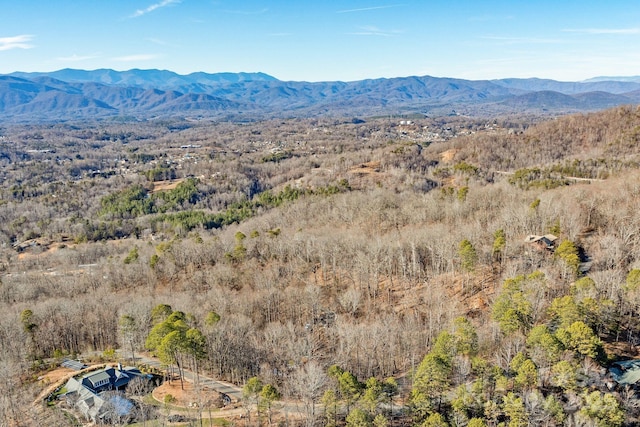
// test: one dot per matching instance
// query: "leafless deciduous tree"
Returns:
(308, 383)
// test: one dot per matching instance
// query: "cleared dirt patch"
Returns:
(448, 156)
(41, 247)
(364, 173)
(366, 168)
(57, 375)
(187, 397)
(166, 185)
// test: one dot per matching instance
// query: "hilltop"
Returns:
(142, 94)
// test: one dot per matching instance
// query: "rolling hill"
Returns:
(67, 94)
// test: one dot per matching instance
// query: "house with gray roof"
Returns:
(110, 378)
(546, 242)
(98, 395)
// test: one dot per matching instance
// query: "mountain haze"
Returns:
(146, 78)
(69, 93)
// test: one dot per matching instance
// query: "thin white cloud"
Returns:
(153, 7)
(16, 42)
(371, 30)
(487, 18)
(521, 40)
(157, 41)
(76, 58)
(139, 57)
(365, 9)
(603, 30)
(248, 12)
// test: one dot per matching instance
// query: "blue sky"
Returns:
(326, 40)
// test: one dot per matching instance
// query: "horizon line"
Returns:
(589, 79)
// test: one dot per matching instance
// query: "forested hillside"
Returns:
(144, 94)
(376, 268)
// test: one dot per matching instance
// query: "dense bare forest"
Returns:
(374, 270)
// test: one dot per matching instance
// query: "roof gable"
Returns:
(99, 379)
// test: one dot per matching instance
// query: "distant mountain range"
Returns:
(78, 94)
(619, 78)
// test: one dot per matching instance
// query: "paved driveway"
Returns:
(231, 390)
